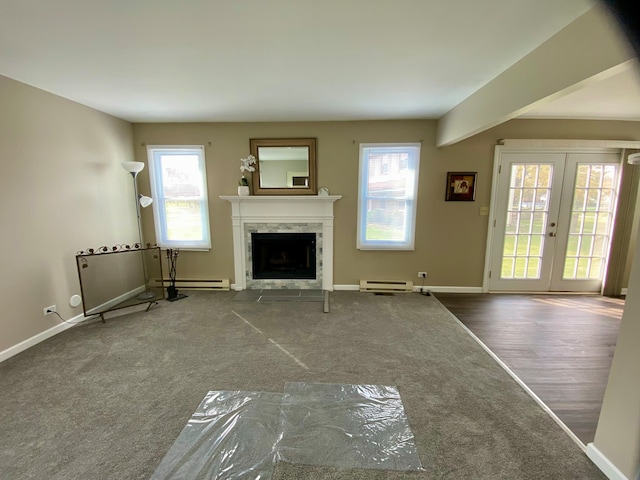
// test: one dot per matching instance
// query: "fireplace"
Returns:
(280, 214)
(289, 255)
(283, 255)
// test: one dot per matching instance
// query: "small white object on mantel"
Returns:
(281, 209)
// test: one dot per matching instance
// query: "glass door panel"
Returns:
(593, 192)
(553, 221)
(529, 210)
(526, 215)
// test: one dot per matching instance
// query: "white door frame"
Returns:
(540, 146)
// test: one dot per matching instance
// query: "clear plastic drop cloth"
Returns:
(230, 436)
(347, 426)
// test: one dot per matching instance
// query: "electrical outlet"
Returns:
(49, 310)
(422, 274)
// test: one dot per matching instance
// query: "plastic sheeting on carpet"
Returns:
(349, 426)
(235, 435)
(230, 436)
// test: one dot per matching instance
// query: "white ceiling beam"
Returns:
(589, 49)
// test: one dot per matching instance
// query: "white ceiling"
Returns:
(617, 97)
(282, 60)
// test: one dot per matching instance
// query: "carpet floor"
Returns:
(106, 401)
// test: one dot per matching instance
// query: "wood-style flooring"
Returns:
(561, 346)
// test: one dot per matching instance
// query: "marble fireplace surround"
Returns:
(282, 213)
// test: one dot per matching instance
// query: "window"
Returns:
(387, 193)
(179, 190)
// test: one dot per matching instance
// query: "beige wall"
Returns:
(62, 191)
(338, 170)
(450, 236)
(618, 433)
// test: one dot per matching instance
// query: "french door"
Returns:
(553, 221)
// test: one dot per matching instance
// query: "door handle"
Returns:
(552, 234)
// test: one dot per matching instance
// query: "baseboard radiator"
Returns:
(382, 286)
(198, 284)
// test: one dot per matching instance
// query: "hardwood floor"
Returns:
(561, 346)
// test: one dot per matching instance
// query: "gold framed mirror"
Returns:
(284, 166)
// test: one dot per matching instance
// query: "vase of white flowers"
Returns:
(246, 165)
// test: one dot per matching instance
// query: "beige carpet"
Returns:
(105, 401)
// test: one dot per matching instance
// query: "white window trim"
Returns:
(406, 246)
(159, 223)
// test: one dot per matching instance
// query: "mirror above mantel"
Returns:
(284, 166)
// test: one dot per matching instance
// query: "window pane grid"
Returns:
(184, 220)
(529, 192)
(179, 189)
(591, 218)
(387, 193)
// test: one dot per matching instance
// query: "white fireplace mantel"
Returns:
(281, 209)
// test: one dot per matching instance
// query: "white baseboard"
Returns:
(603, 463)
(418, 288)
(115, 301)
(40, 337)
(595, 455)
(61, 327)
(523, 385)
(445, 289)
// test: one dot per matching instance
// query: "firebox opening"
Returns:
(283, 255)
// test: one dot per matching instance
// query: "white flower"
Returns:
(247, 164)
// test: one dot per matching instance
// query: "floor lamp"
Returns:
(141, 201)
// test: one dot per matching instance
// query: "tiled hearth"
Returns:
(282, 214)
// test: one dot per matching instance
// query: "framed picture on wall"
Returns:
(461, 186)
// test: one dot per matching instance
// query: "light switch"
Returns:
(484, 211)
